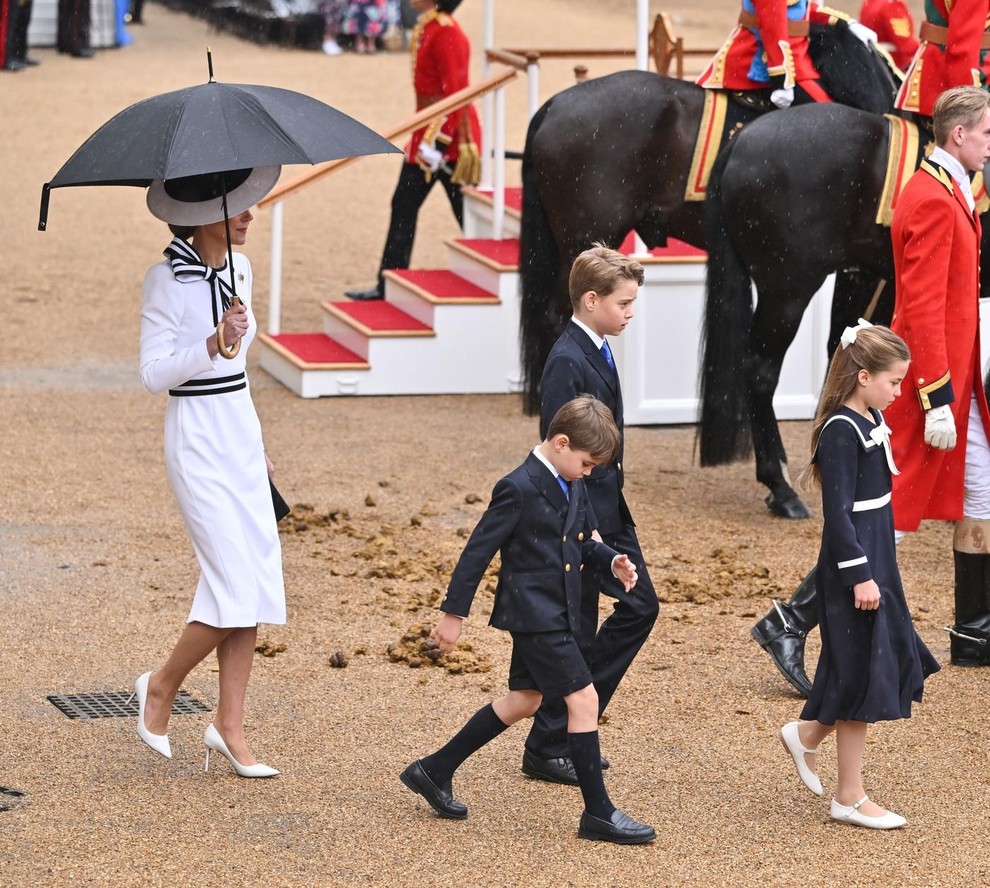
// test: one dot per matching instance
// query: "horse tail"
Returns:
(539, 324)
(724, 431)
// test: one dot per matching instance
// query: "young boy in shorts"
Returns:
(538, 520)
(603, 286)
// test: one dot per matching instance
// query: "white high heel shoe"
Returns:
(213, 741)
(791, 738)
(158, 742)
(845, 814)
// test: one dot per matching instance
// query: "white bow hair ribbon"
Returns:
(881, 435)
(850, 333)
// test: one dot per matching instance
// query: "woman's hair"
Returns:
(961, 105)
(183, 231)
(447, 6)
(589, 426)
(875, 349)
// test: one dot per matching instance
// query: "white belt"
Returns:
(870, 504)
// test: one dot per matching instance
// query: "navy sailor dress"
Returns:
(873, 664)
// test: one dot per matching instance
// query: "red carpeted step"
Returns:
(378, 318)
(442, 286)
(513, 197)
(315, 348)
(502, 253)
(675, 249)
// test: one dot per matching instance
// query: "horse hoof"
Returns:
(790, 507)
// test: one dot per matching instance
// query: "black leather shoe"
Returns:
(30, 62)
(369, 295)
(619, 828)
(441, 799)
(786, 649)
(14, 65)
(84, 53)
(553, 770)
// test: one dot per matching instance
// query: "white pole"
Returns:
(642, 34)
(642, 63)
(487, 101)
(275, 285)
(533, 87)
(498, 192)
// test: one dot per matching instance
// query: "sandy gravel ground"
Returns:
(96, 572)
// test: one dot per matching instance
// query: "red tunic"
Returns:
(891, 19)
(440, 68)
(936, 244)
(936, 68)
(733, 64)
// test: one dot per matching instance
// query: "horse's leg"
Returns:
(775, 324)
(858, 294)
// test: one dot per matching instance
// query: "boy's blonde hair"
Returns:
(961, 105)
(601, 269)
(589, 426)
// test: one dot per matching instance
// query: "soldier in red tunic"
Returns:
(940, 436)
(954, 41)
(894, 27)
(769, 49)
(446, 150)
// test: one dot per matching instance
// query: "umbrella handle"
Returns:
(231, 352)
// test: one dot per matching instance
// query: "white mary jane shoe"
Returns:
(158, 742)
(791, 738)
(890, 820)
(213, 741)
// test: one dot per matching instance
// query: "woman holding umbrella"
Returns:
(214, 456)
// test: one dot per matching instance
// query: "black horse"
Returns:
(786, 226)
(613, 154)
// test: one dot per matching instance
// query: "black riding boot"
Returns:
(781, 633)
(969, 642)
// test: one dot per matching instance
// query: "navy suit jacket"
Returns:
(574, 366)
(544, 539)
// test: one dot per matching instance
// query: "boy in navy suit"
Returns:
(538, 521)
(603, 285)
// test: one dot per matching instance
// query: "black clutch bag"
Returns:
(281, 506)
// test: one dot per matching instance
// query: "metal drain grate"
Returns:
(115, 705)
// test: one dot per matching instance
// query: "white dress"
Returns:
(214, 454)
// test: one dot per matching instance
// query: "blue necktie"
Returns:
(564, 487)
(607, 354)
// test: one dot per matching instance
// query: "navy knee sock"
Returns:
(483, 727)
(586, 753)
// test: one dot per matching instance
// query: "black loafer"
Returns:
(369, 295)
(441, 800)
(553, 770)
(620, 829)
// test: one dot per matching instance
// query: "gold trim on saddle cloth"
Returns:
(902, 153)
(707, 144)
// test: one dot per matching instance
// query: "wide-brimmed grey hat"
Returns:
(198, 200)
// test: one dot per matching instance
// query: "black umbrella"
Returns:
(213, 128)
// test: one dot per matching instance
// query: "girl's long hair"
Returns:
(876, 349)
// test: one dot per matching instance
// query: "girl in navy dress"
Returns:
(872, 664)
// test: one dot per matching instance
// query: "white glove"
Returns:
(865, 34)
(783, 98)
(940, 428)
(430, 157)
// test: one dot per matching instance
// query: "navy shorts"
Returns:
(548, 662)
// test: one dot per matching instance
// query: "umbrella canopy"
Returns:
(211, 128)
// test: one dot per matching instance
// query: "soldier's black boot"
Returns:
(969, 638)
(781, 633)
